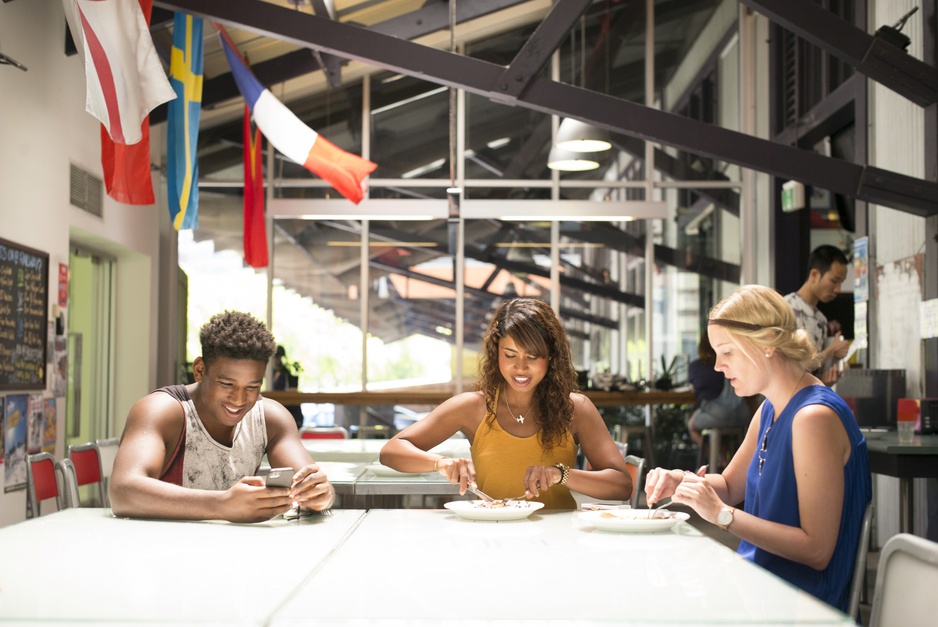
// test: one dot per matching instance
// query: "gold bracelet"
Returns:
(436, 464)
(564, 473)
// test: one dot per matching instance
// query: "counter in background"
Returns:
(412, 397)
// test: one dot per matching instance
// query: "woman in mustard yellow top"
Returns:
(524, 423)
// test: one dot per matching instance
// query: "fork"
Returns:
(488, 499)
(652, 510)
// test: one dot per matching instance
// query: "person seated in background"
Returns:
(827, 270)
(803, 469)
(193, 451)
(717, 403)
(524, 423)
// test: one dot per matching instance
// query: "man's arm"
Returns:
(311, 487)
(153, 428)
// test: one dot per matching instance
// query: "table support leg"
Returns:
(906, 505)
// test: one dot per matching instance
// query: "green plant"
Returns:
(665, 378)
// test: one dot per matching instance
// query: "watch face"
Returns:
(725, 516)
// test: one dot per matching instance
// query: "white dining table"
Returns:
(86, 566)
(428, 567)
(382, 568)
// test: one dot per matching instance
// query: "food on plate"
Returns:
(661, 514)
(500, 503)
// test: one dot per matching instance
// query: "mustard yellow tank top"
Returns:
(501, 459)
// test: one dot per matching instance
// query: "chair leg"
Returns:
(715, 447)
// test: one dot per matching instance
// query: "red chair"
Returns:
(42, 482)
(324, 433)
(87, 461)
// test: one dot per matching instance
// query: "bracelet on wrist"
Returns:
(564, 473)
(436, 464)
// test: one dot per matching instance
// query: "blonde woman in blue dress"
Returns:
(803, 468)
(524, 423)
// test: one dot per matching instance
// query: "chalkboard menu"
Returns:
(24, 303)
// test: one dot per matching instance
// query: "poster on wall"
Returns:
(59, 366)
(63, 285)
(861, 269)
(15, 414)
(48, 424)
(3, 431)
(34, 425)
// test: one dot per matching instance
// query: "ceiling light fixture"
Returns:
(576, 136)
(567, 161)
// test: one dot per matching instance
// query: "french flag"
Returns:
(298, 142)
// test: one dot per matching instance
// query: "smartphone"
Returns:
(280, 477)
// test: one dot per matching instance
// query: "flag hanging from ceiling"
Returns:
(182, 130)
(298, 142)
(123, 75)
(126, 168)
(255, 229)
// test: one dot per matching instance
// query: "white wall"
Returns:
(897, 144)
(44, 129)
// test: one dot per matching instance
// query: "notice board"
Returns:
(24, 298)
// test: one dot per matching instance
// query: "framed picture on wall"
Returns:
(24, 287)
(15, 418)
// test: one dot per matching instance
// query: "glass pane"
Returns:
(503, 260)
(504, 142)
(410, 128)
(412, 303)
(316, 315)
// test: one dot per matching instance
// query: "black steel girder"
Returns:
(915, 196)
(873, 56)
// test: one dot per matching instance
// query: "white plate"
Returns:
(632, 520)
(383, 471)
(471, 510)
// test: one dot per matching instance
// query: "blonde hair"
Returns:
(760, 316)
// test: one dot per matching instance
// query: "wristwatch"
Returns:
(725, 517)
(564, 473)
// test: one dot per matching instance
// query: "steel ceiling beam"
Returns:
(872, 55)
(537, 50)
(865, 182)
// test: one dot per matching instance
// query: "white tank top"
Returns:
(209, 465)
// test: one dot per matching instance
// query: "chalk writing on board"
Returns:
(24, 297)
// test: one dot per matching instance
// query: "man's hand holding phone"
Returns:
(313, 489)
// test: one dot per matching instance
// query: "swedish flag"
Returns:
(185, 75)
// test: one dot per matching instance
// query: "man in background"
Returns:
(827, 270)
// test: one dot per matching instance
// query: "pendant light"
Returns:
(578, 136)
(569, 161)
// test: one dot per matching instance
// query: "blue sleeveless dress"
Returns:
(773, 495)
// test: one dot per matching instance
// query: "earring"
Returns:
(767, 355)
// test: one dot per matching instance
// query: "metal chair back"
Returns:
(859, 568)
(324, 433)
(906, 580)
(42, 483)
(86, 459)
(636, 466)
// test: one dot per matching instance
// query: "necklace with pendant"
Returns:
(519, 417)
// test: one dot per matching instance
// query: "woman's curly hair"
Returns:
(535, 328)
(236, 335)
(760, 315)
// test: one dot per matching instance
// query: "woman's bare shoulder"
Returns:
(466, 401)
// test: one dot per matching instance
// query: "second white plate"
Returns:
(632, 520)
